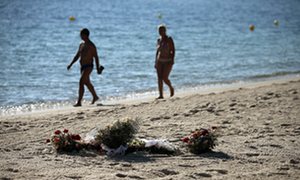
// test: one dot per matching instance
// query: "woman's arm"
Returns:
(172, 49)
(156, 53)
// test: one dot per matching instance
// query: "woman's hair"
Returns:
(85, 31)
(162, 26)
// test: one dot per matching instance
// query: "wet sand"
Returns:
(259, 130)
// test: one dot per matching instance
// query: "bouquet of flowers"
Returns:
(65, 141)
(201, 140)
(119, 134)
(117, 139)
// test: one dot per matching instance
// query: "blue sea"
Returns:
(213, 46)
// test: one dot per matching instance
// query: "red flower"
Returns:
(185, 139)
(56, 140)
(204, 132)
(57, 132)
(66, 131)
(76, 137)
(196, 134)
(48, 140)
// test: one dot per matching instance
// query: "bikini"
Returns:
(164, 49)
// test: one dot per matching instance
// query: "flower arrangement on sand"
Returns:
(117, 139)
(120, 133)
(63, 141)
(201, 140)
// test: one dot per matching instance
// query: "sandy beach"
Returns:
(259, 130)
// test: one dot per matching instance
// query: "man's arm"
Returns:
(76, 57)
(97, 60)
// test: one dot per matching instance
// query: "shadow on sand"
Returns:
(82, 153)
(138, 157)
(216, 155)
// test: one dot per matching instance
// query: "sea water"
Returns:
(213, 46)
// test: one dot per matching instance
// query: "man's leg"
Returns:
(89, 85)
(92, 90)
(80, 91)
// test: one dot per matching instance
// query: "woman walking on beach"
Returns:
(164, 60)
(87, 52)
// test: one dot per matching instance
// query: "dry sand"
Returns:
(259, 127)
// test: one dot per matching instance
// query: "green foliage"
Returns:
(120, 133)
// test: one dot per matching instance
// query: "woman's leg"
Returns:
(166, 72)
(159, 70)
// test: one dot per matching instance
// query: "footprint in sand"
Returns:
(252, 154)
(12, 170)
(203, 175)
(166, 117)
(186, 114)
(155, 118)
(211, 109)
(73, 177)
(232, 104)
(296, 130)
(252, 106)
(168, 172)
(285, 125)
(194, 111)
(186, 165)
(135, 177)
(293, 161)
(276, 146)
(64, 119)
(220, 171)
(293, 91)
(120, 175)
(226, 122)
(100, 110)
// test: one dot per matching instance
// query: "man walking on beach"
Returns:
(87, 52)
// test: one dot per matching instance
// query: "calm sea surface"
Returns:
(212, 37)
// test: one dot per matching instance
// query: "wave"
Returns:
(275, 74)
(33, 107)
